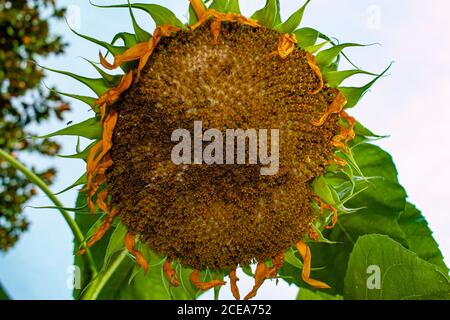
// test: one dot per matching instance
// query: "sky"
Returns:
(410, 105)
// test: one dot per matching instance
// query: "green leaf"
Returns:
(267, 16)
(354, 94)
(294, 20)
(403, 275)
(305, 294)
(420, 238)
(306, 37)
(159, 14)
(3, 294)
(335, 78)
(327, 57)
(89, 129)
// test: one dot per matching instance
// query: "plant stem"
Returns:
(94, 289)
(41, 184)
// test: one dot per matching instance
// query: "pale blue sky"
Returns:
(411, 105)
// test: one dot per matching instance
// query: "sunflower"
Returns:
(228, 71)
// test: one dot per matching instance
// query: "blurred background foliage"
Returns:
(24, 102)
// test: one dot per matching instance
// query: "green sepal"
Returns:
(193, 19)
(294, 20)
(219, 5)
(99, 86)
(141, 34)
(317, 47)
(159, 14)
(192, 16)
(328, 56)
(80, 155)
(233, 6)
(354, 94)
(115, 50)
(335, 78)
(112, 80)
(321, 189)
(89, 129)
(90, 101)
(268, 15)
(306, 37)
(80, 181)
(129, 39)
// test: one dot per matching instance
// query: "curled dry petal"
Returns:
(312, 64)
(286, 45)
(100, 231)
(335, 107)
(171, 274)
(130, 243)
(305, 253)
(260, 277)
(195, 280)
(233, 282)
(199, 7)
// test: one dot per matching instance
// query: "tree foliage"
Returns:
(24, 101)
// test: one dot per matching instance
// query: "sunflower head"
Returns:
(227, 72)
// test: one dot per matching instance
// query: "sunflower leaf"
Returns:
(268, 15)
(89, 129)
(401, 274)
(294, 20)
(420, 237)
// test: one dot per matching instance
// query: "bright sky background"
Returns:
(411, 105)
